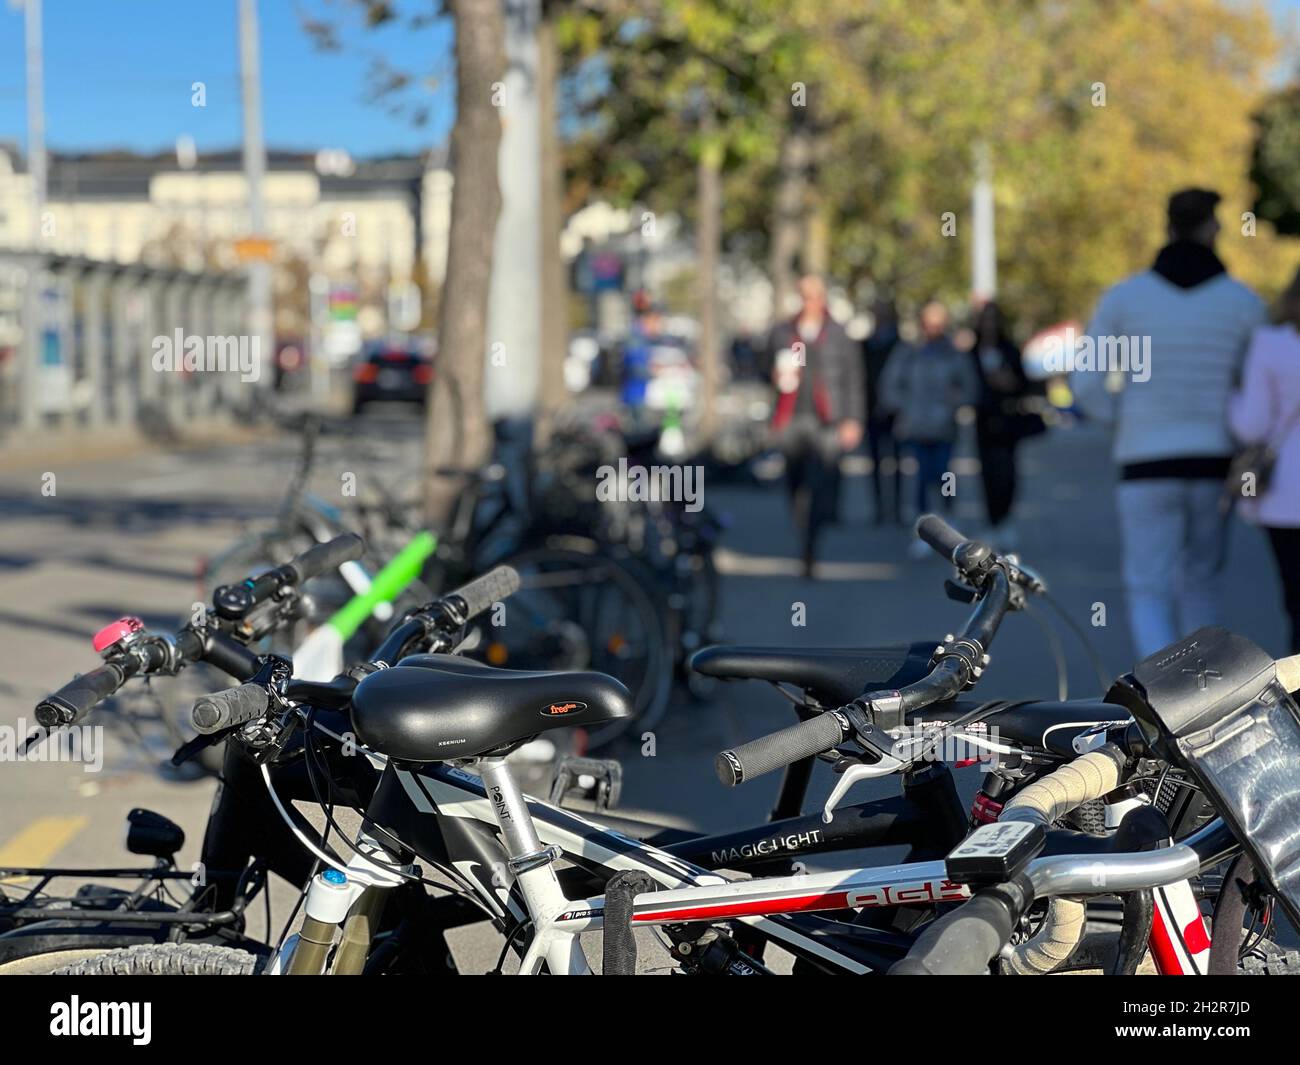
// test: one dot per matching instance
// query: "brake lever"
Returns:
(190, 748)
(275, 746)
(887, 765)
(1025, 576)
(865, 729)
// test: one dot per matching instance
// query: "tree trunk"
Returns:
(790, 209)
(555, 311)
(815, 256)
(456, 429)
(708, 229)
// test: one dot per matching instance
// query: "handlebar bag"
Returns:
(1212, 704)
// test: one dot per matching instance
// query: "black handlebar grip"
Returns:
(779, 749)
(492, 587)
(941, 536)
(324, 557)
(961, 943)
(234, 706)
(78, 697)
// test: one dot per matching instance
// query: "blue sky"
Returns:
(118, 74)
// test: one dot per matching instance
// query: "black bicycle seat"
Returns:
(430, 708)
(832, 675)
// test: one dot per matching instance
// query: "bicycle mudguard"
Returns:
(1212, 703)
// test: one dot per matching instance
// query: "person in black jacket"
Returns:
(881, 445)
(1001, 422)
(817, 372)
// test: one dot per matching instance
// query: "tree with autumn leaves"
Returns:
(840, 136)
(847, 132)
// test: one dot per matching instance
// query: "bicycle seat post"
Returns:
(524, 850)
(532, 867)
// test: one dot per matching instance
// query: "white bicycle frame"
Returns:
(535, 835)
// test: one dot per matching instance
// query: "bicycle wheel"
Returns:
(47, 963)
(578, 610)
(166, 959)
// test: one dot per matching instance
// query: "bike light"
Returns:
(152, 834)
(115, 632)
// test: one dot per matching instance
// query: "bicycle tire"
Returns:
(648, 582)
(1271, 960)
(48, 962)
(167, 959)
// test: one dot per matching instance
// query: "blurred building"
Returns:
(364, 229)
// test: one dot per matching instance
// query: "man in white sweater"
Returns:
(1192, 323)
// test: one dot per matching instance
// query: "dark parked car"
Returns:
(390, 375)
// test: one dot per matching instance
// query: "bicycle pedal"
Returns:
(596, 780)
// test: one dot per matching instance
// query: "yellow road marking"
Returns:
(40, 841)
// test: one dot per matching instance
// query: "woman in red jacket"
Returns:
(819, 410)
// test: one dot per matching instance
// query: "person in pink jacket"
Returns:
(1266, 409)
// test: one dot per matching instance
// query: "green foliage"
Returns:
(1275, 164)
(1093, 112)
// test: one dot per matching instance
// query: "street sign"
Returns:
(255, 249)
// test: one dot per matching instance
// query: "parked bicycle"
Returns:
(438, 728)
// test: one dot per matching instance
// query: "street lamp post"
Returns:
(260, 318)
(984, 250)
(29, 377)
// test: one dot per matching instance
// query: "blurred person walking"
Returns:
(819, 410)
(1266, 411)
(1172, 444)
(637, 352)
(923, 386)
(1000, 421)
(881, 445)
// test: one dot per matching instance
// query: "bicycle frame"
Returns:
(459, 822)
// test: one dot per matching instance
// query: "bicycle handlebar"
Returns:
(480, 593)
(324, 557)
(450, 611)
(960, 661)
(235, 601)
(152, 652)
(964, 941)
(438, 621)
(939, 535)
(225, 709)
(78, 697)
(779, 749)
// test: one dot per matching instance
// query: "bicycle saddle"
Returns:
(833, 675)
(431, 708)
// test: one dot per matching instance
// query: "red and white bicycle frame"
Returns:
(526, 886)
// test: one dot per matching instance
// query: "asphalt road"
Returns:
(127, 535)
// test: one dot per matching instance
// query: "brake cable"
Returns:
(312, 752)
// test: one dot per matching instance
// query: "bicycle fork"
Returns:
(351, 898)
